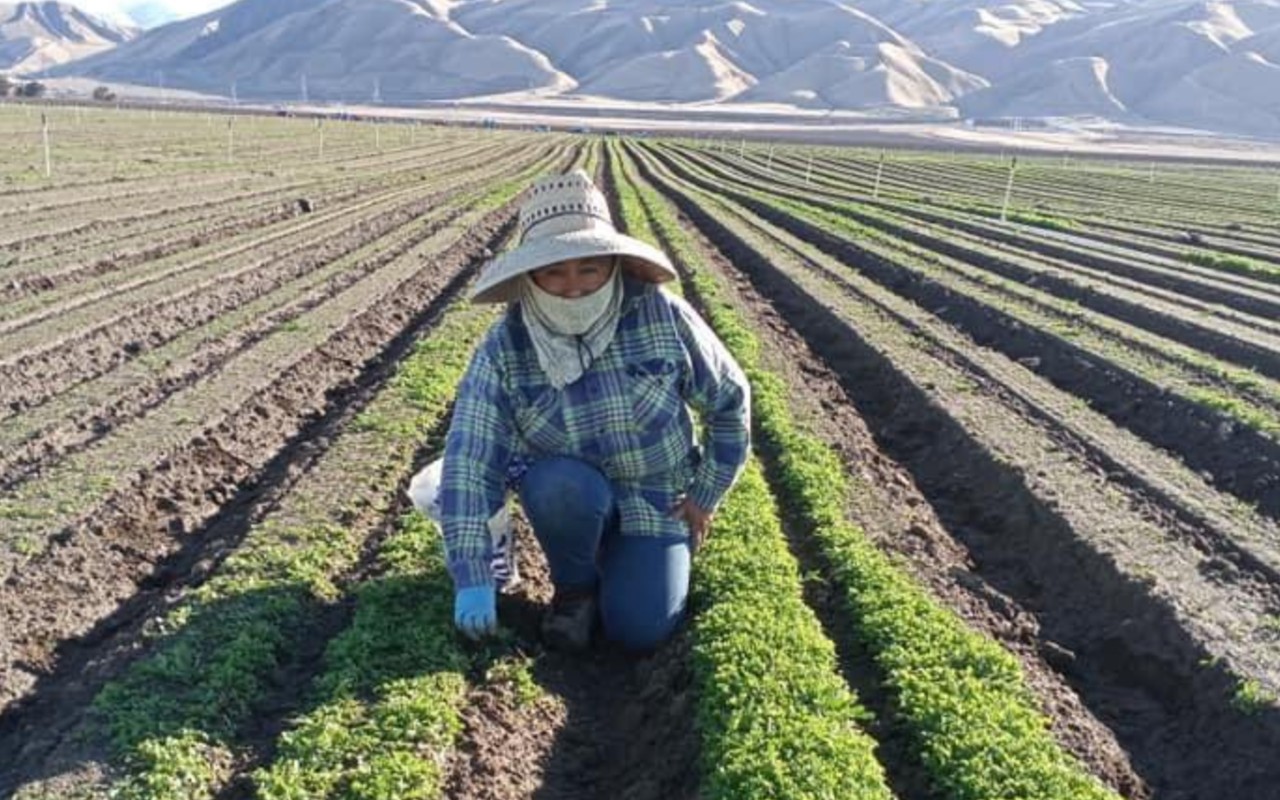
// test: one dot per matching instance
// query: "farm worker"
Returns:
(586, 382)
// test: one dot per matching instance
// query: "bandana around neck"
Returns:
(569, 334)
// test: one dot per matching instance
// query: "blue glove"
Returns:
(475, 611)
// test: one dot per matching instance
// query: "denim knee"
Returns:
(565, 493)
(643, 590)
(638, 629)
(570, 505)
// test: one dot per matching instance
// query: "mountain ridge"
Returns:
(37, 35)
(1205, 64)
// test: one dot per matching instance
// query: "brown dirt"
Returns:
(156, 243)
(121, 256)
(610, 725)
(1049, 596)
(185, 512)
(90, 423)
(1096, 291)
(893, 510)
(29, 380)
(1260, 302)
(1243, 462)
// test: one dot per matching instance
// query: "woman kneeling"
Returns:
(580, 394)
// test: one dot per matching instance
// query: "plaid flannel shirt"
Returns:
(628, 415)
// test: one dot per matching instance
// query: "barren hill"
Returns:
(1192, 63)
(36, 36)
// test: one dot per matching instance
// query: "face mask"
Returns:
(572, 316)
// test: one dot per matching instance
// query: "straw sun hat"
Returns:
(565, 217)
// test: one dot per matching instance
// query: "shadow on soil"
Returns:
(1130, 660)
(628, 732)
(1234, 457)
(33, 728)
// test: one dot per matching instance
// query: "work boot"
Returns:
(567, 624)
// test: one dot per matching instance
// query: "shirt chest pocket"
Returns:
(541, 423)
(654, 389)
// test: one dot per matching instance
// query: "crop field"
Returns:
(1011, 528)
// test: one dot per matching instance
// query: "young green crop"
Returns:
(175, 715)
(388, 704)
(963, 698)
(775, 717)
(854, 222)
(1232, 263)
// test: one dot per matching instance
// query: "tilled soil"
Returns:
(1135, 666)
(1234, 291)
(130, 241)
(1240, 460)
(31, 379)
(95, 417)
(892, 509)
(609, 724)
(169, 519)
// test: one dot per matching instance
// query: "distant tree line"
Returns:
(14, 88)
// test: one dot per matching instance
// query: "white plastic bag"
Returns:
(424, 491)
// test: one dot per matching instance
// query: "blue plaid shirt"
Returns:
(628, 415)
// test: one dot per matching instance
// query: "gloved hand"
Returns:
(475, 611)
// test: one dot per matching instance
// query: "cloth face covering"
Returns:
(570, 333)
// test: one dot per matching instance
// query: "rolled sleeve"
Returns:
(719, 392)
(478, 450)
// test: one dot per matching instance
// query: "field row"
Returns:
(1056, 505)
(1009, 528)
(127, 472)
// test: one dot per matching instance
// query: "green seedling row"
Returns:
(776, 718)
(59, 495)
(975, 219)
(1231, 263)
(963, 698)
(1166, 364)
(174, 717)
(389, 698)
(388, 705)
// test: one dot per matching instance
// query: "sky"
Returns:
(179, 9)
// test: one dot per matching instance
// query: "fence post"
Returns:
(44, 134)
(808, 173)
(875, 193)
(231, 140)
(1008, 190)
(320, 132)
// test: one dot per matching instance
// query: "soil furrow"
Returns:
(892, 510)
(23, 313)
(36, 270)
(1172, 246)
(605, 724)
(1239, 460)
(98, 560)
(1043, 528)
(58, 366)
(78, 419)
(1254, 297)
(42, 730)
(1201, 516)
(1259, 337)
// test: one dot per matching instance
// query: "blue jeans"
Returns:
(643, 581)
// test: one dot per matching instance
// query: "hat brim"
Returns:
(497, 279)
